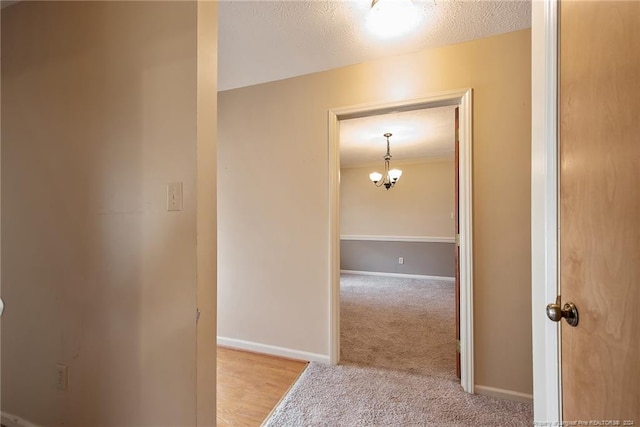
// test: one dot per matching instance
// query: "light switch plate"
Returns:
(62, 377)
(174, 196)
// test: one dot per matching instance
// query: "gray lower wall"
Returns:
(425, 258)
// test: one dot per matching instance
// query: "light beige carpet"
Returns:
(397, 367)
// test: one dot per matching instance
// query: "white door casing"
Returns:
(463, 99)
(544, 211)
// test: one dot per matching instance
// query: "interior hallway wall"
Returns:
(274, 197)
(98, 115)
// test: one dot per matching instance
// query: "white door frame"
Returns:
(547, 387)
(463, 99)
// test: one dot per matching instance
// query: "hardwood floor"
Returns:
(250, 385)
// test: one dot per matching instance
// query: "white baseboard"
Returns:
(503, 394)
(272, 350)
(409, 276)
(10, 420)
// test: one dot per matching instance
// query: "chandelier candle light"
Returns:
(390, 177)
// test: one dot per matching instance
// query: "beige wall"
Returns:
(274, 197)
(98, 115)
(207, 111)
(420, 204)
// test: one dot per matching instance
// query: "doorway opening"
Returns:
(463, 100)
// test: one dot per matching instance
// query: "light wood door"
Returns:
(600, 209)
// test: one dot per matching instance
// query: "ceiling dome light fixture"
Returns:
(392, 18)
(390, 177)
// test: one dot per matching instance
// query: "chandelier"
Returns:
(390, 177)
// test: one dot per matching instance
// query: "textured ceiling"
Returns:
(418, 134)
(261, 41)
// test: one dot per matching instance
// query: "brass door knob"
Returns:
(568, 311)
